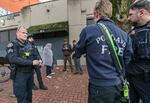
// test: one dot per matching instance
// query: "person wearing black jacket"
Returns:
(37, 69)
(19, 53)
(138, 72)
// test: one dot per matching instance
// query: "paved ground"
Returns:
(64, 87)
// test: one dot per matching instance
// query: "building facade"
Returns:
(51, 21)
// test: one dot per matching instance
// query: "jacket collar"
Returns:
(21, 43)
(103, 19)
(147, 25)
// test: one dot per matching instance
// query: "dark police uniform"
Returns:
(20, 55)
(138, 72)
(36, 56)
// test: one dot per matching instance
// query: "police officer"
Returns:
(19, 52)
(138, 72)
(37, 69)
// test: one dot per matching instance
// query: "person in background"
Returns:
(67, 50)
(138, 72)
(76, 60)
(37, 69)
(48, 59)
(105, 84)
(19, 54)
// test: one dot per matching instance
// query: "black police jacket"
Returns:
(141, 46)
(19, 54)
(36, 55)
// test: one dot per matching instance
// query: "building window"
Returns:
(4, 36)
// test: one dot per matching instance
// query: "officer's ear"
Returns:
(97, 15)
(142, 12)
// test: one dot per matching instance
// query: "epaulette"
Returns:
(11, 43)
(17, 42)
(14, 41)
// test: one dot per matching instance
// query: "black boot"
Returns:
(43, 87)
(35, 87)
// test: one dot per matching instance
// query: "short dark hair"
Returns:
(30, 36)
(74, 41)
(141, 4)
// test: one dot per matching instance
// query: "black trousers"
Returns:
(23, 87)
(139, 89)
(104, 94)
(48, 70)
(39, 77)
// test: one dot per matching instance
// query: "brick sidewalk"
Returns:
(64, 87)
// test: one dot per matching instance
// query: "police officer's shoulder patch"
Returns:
(10, 45)
(10, 50)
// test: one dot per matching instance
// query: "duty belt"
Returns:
(24, 69)
(142, 76)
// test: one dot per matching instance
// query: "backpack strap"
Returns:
(112, 46)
